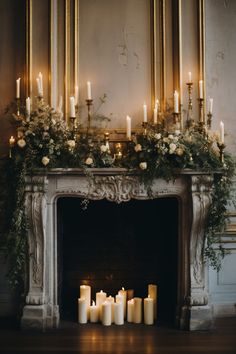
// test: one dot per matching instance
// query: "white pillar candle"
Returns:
(130, 310)
(27, 106)
(82, 310)
(111, 300)
(222, 132)
(123, 293)
(200, 89)
(106, 313)
(85, 292)
(189, 77)
(72, 107)
(128, 127)
(18, 88)
(176, 102)
(94, 313)
(118, 313)
(210, 107)
(144, 112)
(89, 91)
(152, 291)
(137, 314)
(148, 310)
(100, 299)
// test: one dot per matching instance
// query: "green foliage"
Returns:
(44, 142)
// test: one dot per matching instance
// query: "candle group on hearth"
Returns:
(109, 310)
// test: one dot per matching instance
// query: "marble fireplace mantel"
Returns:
(42, 190)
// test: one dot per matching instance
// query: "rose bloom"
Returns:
(138, 148)
(104, 148)
(179, 151)
(71, 143)
(172, 147)
(89, 161)
(45, 160)
(170, 136)
(21, 143)
(157, 136)
(143, 165)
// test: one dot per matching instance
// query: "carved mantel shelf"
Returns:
(43, 188)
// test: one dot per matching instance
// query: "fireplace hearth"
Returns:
(109, 246)
(112, 189)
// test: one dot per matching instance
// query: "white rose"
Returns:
(157, 136)
(71, 143)
(45, 160)
(138, 148)
(104, 148)
(21, 143)
(172, 148)
(143, 165)
(89, 161)
(166, 140)
(170, 136)
(179, 151)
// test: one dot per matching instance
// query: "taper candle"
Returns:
(27, 106)
(176, 102)
(18, 88)
(76, 95)
(210, 107)
(89, 91)
(222, 132)
(128, 127)
(72, 107)
(145, 112)
(189, 77)
(201, 89)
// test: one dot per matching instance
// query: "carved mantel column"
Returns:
(200, 311)
(36, 211)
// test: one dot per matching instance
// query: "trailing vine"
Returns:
(43, 141)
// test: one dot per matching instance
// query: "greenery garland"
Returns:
(44, 141)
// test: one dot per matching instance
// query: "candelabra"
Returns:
(221, 147)
(11, 143)
(89, 104)
(201, 123)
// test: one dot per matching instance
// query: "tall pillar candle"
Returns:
(111, 300)
(137, 314)
(94, 313)
(152, 291)
(85, 292)
(148, 310)
(82, 311)
(100, 299)
(123, 293)
(106, 313)
(130, 310)
(118, 313)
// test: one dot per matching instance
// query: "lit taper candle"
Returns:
(176, 102)
(18, 88)
(89, 91)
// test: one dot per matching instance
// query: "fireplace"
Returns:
(109, 246)
(113, 189)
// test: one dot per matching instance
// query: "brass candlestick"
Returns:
(201, 108)
(118, 151)
(144, 125)
(89, 104)
(106, 141)
(18, 107)
(221, 147)
(176, 116)
(209, 120)
(190, 121)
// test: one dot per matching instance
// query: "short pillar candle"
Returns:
(94, 313)
(152, 291)
(118, 313)
(130, 310)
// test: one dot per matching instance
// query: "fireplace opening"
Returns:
(109, 246)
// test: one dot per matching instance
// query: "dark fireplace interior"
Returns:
(110, 246)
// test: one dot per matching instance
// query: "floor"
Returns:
(138, 339)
